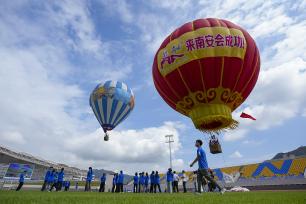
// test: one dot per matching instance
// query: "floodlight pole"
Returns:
(169, 141)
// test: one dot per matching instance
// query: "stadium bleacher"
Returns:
(276, 172)
(40, 166)
(272, 168)
(272, 172)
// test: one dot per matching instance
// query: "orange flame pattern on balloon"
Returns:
(205, 69)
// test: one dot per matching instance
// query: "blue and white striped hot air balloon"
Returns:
(111, 103)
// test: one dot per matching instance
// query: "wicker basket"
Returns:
(215, 147)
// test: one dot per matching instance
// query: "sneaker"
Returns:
(222, 191)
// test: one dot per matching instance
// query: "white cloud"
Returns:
(178, 164)
(145, 148)
(252, 142)
(12, 137)
(120, 9)
(31, 102)
(279, 95)
(41, 101)
(234, 135)
(304, 113)
(236, 155)
(73, 17)
(172, 5)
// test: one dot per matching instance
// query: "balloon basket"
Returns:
(215, 147)
(106, 137)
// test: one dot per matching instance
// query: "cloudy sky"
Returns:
(53, 53)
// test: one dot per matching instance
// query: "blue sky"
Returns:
(53, 53)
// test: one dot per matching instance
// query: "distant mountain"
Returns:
(98, 172)
(301, 151)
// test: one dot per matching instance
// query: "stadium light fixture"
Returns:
(169, 141)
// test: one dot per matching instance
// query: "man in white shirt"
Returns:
(176, 179)
(185, 179)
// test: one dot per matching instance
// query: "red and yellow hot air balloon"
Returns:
(205, 69)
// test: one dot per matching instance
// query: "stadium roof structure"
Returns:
(28, 158)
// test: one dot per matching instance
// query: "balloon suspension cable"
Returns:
(212, 135)
(207, 138)
(220, 131)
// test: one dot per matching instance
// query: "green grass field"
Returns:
(286, 197)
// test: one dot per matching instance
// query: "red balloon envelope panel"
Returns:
(205, 69)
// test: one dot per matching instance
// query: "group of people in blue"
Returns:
(141, 182)
(55, 179)
(118, 181)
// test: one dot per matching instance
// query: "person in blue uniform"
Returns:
(21, 180)
(157, 182)
(169, 177)
(152, 182)
(141, 182)
(46, 180)
(60, 180)
(135, 182)
(67, 185)
(120, 182)
(115, 178)
(102, 183)
(54, 181)
(88, 179)
(51, 179)
(146, 182)
(76, 186)
(203, 167)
